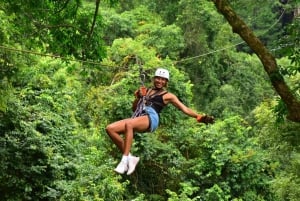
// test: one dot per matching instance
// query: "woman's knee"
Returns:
(109, 129)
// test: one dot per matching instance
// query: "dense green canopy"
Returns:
(69, 68)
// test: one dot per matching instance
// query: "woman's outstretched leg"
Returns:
(127, 127)
(114, 130)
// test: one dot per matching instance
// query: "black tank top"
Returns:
(156, 100)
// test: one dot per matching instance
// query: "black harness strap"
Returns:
(157, 93)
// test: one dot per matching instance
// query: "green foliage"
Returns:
(25, 170)
(226, 163)
(265, 18)
(36, 138)
(289, 64)
(199, 22)
(221, 162)
(53, 113)
(232, 83)
(120, 26)
(29, 151)
(6, 91)
(95, 180)
(291, 76)
(63, 28)
(166, 9)
(168, 41)
(187, 190)
(139, 22)
(281, 141)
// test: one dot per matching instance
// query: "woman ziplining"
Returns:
(147, 105)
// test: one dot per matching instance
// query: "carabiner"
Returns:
(142, 77)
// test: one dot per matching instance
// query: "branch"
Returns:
(89, 36)
(94, 19)
(64, 6)
(267, 59)
(39, 25)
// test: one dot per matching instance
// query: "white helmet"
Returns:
(160, 72)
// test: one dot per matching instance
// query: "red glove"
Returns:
(205, 119)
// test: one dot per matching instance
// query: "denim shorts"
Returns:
(153, 118)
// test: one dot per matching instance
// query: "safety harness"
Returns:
(139, 108)
(145, 100)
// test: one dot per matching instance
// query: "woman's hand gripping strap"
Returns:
(139, 102)
(142, 91)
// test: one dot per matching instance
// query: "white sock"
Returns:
(125, 158)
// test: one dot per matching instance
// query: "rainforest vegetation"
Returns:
(70, 67)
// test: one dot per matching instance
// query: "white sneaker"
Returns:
(122, 167)
(133, 161)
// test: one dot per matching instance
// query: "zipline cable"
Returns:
(231, 46)
(52, 56)
(98, 63)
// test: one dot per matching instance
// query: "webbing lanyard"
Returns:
(141, 103)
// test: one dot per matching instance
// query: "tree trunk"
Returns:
(267, 59)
